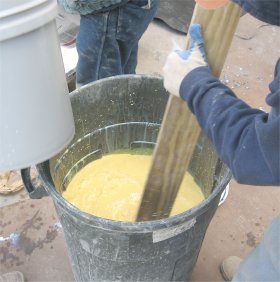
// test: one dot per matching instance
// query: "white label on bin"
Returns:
(167, 233)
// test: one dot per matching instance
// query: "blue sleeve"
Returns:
(246, 139)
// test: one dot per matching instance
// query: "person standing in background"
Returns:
(110, 30)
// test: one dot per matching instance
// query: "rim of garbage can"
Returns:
(130, 226)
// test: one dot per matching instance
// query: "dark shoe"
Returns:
(229, 267)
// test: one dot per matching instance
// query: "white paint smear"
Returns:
(167, 233)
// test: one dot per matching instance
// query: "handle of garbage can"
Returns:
(35, 189)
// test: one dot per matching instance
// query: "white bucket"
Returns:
(36, 120)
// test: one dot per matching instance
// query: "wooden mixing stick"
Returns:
(179, 130)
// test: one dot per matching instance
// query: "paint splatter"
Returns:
(251, 239)
(20, 240)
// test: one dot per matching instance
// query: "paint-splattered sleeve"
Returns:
(246, 139)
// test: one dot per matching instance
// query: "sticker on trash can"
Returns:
(167, 233)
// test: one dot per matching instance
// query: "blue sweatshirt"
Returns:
(246, 139)
(85, 7)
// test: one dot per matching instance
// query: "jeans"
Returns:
(107, 43)
(263, 263)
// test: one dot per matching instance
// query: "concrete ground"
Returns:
(31, 239)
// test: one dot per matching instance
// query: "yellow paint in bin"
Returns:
(112, 187)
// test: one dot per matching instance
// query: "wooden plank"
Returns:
(179, 130)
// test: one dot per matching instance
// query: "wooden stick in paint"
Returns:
(179, 130)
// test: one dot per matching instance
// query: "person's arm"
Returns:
(246, 139)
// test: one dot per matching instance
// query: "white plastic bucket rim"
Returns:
(18, 17)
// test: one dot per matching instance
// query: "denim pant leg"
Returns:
(130, 58)
(263, 264)
(133, 21)
(90, 45)
(107, 43)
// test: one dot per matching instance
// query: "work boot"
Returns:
(14, 276)
(10, 182)
(229, 267)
